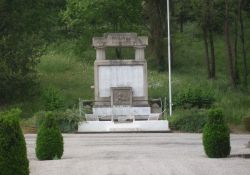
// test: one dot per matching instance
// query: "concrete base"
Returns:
(136, 126)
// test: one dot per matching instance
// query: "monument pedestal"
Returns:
(123, 119)
(121, 89)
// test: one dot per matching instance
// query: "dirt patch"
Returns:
(29, 130)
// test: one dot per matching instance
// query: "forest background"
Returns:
(46, 52)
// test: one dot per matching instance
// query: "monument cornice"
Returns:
(120, 40)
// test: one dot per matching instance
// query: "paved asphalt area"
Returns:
(140, 154)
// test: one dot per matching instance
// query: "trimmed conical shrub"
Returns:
(216, 135)
(13, 153)
(49, 143)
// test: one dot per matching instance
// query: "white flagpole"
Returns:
(169, 62)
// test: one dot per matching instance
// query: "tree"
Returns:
(183, 12)
(208, 35)
(231, 57)
(155, 14)
(239, 7)
(241, 3)
(98, 16)
(94, 17)
(25, 29)
(208, 17)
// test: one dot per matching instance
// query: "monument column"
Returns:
(139, 53)
(100, 53)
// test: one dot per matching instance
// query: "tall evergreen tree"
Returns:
(24, 29)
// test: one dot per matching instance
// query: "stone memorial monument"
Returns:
(121, 89)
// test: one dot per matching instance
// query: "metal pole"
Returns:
(169, 62)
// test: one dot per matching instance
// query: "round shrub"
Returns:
(246, 122)
(216, 135)
(49, 143)
(194, 97)
(188, 121)
(13, 153)
(67, 120)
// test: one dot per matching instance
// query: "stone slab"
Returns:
(123, 110)
(120, 73)
(125, 75)
(120, 40)
(109, 126)
(91, 117)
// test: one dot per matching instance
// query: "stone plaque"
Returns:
(121, 76)
(121, 96)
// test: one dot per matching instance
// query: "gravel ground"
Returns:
(140, 154)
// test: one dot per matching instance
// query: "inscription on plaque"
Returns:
(121, 96)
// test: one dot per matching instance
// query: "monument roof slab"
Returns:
(120, 40)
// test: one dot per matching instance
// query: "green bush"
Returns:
(13, 153)
(49, 143)
(67, 120)
(194, 98)
(216, 135)
(246, 122)
(38, 118)
(188, 121)
(53, 99)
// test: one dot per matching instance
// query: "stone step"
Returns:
(124, 127)
(109, 126)
(119, 111)
(92, 117)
